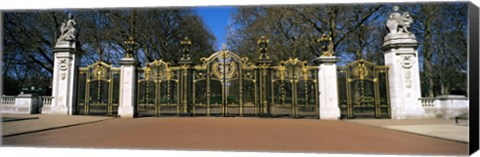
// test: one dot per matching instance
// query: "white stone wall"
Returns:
(450, 106)
(21, 104)
(25, 104)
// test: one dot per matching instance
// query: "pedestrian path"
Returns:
(17, 124)
(438, 128)
(239, 134)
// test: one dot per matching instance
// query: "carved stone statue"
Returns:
(68, 30)
(399, 23)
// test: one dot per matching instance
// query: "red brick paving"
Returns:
(240, 134)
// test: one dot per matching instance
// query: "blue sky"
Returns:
(216, 19)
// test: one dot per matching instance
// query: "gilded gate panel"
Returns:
(294, 89)
(98, 87)
(223, 85)
(363, 90)
(158, 90)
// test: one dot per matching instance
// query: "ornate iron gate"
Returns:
(98, 86)
(158, 90)
(294, 89)
(224, 85)
(363, 90)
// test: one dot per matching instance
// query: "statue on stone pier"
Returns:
(68, 30)
(399, 23)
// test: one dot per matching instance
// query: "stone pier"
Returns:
(128, 84)
(64, 78)
(401, 56)
(327, 86)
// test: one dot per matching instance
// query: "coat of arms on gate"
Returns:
(224, 70)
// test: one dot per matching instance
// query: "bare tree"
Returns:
(31, 35)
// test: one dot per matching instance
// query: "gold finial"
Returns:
(186, 41)
(186, 44)
(263, 39)
(263, 44)
(326, 44)
(131, 45)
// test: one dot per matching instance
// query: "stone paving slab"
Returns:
(39, 122)
(12, 119)
(438, 128)
(451, 132)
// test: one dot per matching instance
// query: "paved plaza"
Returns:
(229, 134)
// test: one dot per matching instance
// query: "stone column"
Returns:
(328, 88)
(64, 78)
(400, 51)
(128, 85)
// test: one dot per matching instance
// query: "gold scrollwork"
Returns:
(159, 69)
(248, 75)
(99, 72)
(147, 72)
(305, 72)
(364, 90)
(361, 71)
(200, 75)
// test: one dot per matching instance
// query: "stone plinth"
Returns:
(27, 104)
(64, 78)
(128, 84)
(396, 40)
(327, 86)
(450, 106)
(404, 77)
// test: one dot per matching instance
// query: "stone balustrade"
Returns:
(444, 106)
(46, 103)
(8, 101)
(46, 100)
(25, 104)
(428, 104)
(7, 104)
